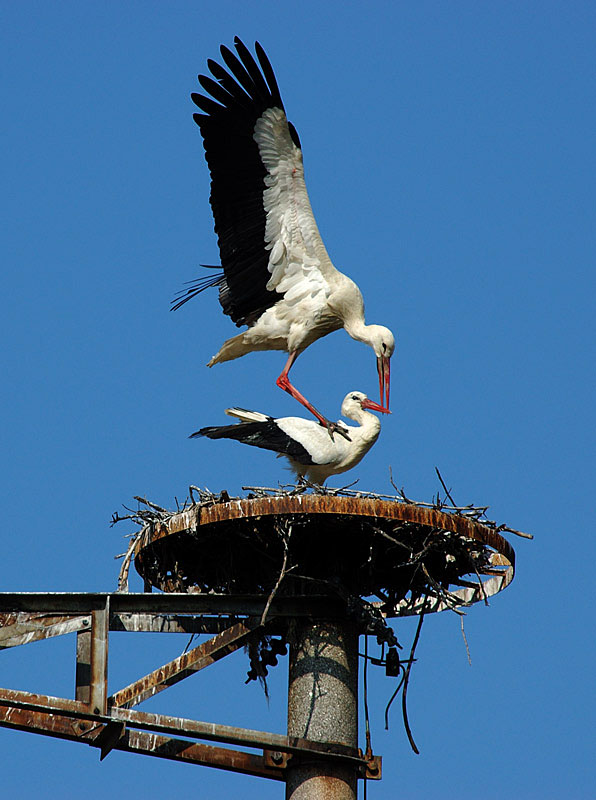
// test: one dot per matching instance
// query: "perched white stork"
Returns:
(306, 445)
(277, 277)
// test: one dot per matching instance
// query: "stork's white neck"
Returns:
(370, 424)
(358, 330)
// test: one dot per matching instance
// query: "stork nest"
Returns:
(395, 561)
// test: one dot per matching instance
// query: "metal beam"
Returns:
(83, 667)
(173, 603)
(150, 744)
(188, 663)
(22, 627)
(55, 716)
(161, 723)
(31, 627)
(168, 623)
(99, 658)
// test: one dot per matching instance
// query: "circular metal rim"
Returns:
(196, 516)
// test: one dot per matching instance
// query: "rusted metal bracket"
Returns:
(111, 723)
(109, 737)
(373, 768)
(370, 767)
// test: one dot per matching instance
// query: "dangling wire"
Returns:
(405, 690)
(366, 719)
(393, 696)
(404, 683)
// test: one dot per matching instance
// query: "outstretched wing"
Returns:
(266, 435)
(268, 237)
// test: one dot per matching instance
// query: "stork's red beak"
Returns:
(370, 404)
(384, 368)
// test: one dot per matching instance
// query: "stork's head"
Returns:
(354, 401)
(383, 343)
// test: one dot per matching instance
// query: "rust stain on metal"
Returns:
(34, 702)
(230, 547)
(325, 504)
(374, 768)
(114, 736)
(99, 659)
(70, 716)
(22, 627)
(202, 754)
(196, 659)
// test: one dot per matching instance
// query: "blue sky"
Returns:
(449, 155)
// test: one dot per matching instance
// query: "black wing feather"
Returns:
(217, 91)
(243, 94)
(229, 84)
(269, 75)
(256, 76)
(206, 104)
(266, 435)
(240, 72)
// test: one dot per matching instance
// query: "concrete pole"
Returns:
(323, 705)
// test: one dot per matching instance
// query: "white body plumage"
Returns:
(310, 450)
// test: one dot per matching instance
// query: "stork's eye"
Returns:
(355, 397)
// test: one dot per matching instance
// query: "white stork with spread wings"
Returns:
(277, 276)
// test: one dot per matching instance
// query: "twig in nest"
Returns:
(448, 598)
(481, 585)
(463, 633)
(390, 538)
(283, 572)
(151, 505)
(444, 487)
(400, 492)
(125, 568)
(512, 530)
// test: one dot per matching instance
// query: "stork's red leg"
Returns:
(284, 383)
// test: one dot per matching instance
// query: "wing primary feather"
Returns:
(246, 57)
(229, 84)
(269, 75)
(217, 91)
(206, 104)
(244, 88)
(238, 70)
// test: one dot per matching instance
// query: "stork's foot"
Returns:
(335, 427)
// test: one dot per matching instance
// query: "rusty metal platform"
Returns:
(242, 572)
(408, 557)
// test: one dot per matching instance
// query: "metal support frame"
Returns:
(111, 722)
